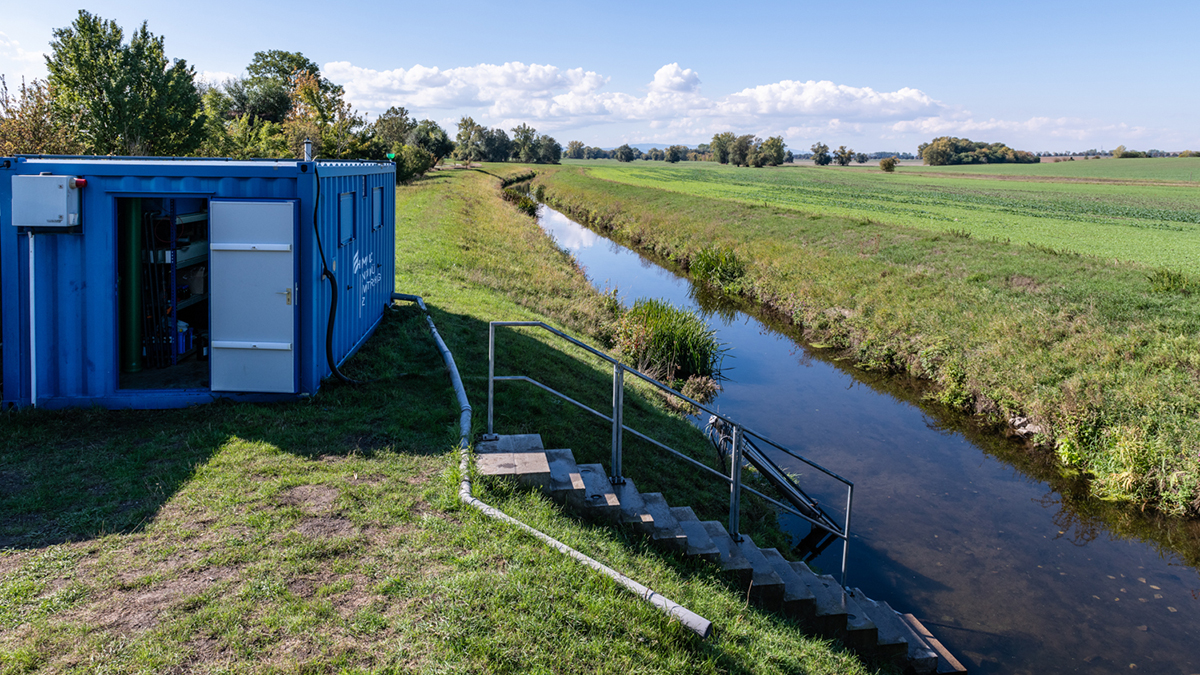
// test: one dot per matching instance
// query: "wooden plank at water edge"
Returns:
(946, 661)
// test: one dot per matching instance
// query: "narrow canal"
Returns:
(997, 555)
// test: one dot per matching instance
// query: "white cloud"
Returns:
(824, 98)
(673, 78)
(553, 98)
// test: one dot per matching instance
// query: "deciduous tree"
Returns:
(28, 123)
(123, 98)
(821, 156)
(720, 146)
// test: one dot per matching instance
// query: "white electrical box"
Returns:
(45, 201)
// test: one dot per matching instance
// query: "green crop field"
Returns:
(1148, 223)
(1166, 169)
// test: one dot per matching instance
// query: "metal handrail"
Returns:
(740, 437)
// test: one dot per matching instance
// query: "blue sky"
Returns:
(870, 75)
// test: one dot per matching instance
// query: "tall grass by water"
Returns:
(718, 266)
(656, 337)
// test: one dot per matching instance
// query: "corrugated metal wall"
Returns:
(76, 274)
(362, 261)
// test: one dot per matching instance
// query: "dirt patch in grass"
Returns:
(1018, 282)
(139, 609)
(326, 527)
(310, 498)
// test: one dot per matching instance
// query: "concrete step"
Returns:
(798, 601)
(947, 664)
(598, 499)
(511, 443)
(529, 468)
(730, 558)
(699, 544)
(767, 588)
(564, 476)
(667, 531)
(829, 617)
(897, 640)
(633, 507)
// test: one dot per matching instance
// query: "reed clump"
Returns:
(718, 266)
(656, 337)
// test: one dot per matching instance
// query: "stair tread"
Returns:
(665, 525)
(511, 443)
(731, 559)
(633, 507)
(827, 592)
(893, 629)
(598, 493)
(699, 544)
(764, 573)
(564, 472)
(797, 590)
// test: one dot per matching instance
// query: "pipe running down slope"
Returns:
(692, 621)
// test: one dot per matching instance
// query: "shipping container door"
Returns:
(252, 248)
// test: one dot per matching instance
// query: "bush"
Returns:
(667, 342)
(888, 164)
(1169, 281)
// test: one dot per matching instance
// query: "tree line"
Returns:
(108, 96)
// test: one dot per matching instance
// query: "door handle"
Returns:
(287, 293)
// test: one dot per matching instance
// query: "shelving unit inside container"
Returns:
(164, 309)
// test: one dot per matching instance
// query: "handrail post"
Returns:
(491, 373)
(735, 484)
(846, 531)
(618, 422)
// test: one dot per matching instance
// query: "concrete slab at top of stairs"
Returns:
(511, 443)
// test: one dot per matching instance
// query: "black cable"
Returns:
(333, 286)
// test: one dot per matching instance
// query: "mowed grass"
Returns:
(1105, 366)
(325, 535)
(1147, 223)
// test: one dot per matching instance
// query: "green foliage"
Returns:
(575, 150)
(772, 151)
(946, 150)
(742, 149)
(1170, 281)
(721, 145)
(675, 153)
(623, 153)
(843, 156)
(718, 266)
(821, 156)
(672, 343)
(411, 162)
(28, 123)
(393, 126)
(468, 144)
(432, 138)
(888, 164)
(521, 199)
(123, 98)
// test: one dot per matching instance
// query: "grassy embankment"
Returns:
(1105, 367)
(325, 535)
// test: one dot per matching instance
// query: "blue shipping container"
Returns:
(160, 283)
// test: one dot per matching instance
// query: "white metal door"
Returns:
(252, 281)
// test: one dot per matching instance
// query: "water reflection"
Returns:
(1018, 569)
